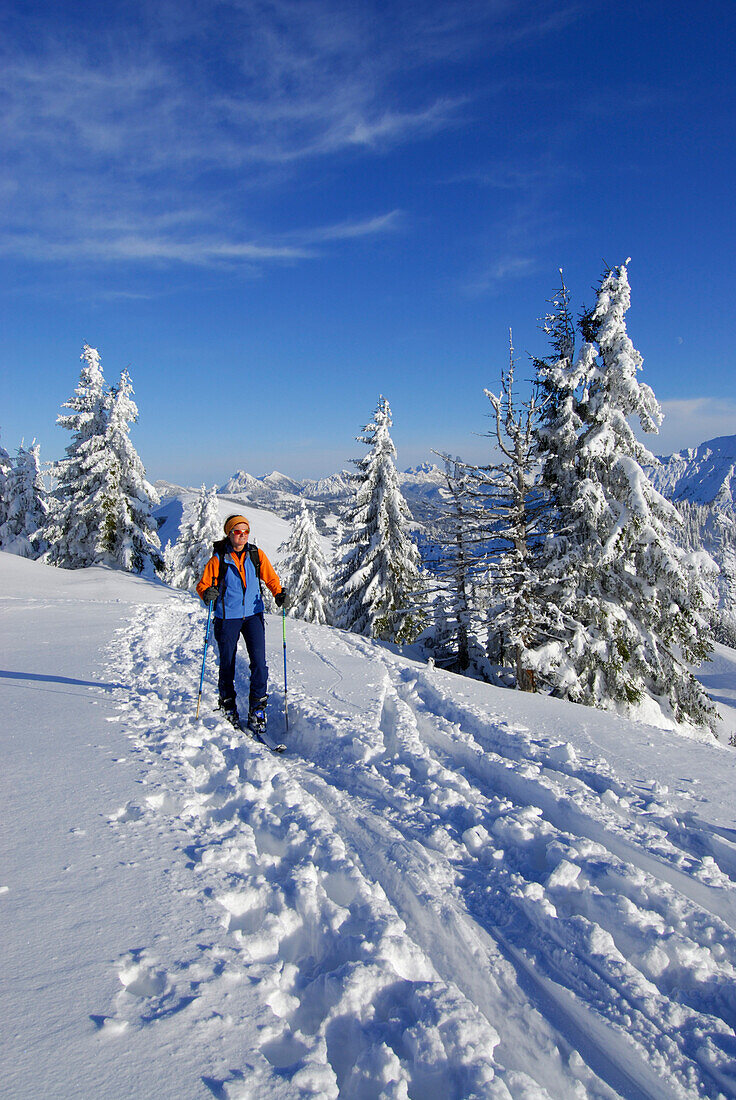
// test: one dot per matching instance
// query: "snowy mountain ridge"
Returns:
(425, 478)
(283, 495)
(701, 475)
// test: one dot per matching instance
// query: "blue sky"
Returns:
(272, 211)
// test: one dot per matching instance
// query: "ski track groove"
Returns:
(684, 843)
(572, 825)
(481, 952)
(597, 985)
(558, 808)
(419, 862)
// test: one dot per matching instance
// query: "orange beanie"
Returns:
(233, 521)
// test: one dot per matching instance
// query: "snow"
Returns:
(266, 530)
(700, 474)
(442, 890)
(719, 680)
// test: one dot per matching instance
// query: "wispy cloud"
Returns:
(515, 178)
(202, 251)
(182, 107)
(133, 155)
(517, 243)
(302, 81)
(345, 231)
(500, 271)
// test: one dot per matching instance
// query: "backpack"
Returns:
(223, 547)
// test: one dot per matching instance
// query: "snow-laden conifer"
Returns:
(129, 536)
(26, 509)
(719, 535)
(625, 602)
(304, 572)
(516, 503)
(380, 591)
(451, 634)
(560, 379)
(74, 528)
(200, 527)
(5, 465)
(441, 641)
(103, 503)
(712, 527)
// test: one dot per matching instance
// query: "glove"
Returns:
(282, 599)
(210, 594)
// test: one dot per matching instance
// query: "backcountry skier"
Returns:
(232, 583)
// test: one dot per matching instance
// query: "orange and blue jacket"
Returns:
(240, 592)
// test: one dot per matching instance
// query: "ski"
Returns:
(274, 746)
(242, 725)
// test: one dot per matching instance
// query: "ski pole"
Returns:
(204, 655)
(286, 706)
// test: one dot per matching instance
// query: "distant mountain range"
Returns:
(264, 490)
(701, 475)
(421, 486)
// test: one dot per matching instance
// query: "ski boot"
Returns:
(229, 711)
(257, 718)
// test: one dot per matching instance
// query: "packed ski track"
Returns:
(424, 897)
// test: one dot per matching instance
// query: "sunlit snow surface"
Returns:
(442, 890)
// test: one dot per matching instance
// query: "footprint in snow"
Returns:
(129, 812)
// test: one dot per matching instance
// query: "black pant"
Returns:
(227, 634)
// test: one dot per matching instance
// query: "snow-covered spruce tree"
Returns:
(722, 538)
(27, 510)
(455, 564)
(441, 641)
(712, 527)
(128, 537)
(559, 380)
(553, 372)
(73, 531)
(380, 590)
(453, 635)
(304, 572)
(517, 505)
(625, 603)
(4, 472)
(200, 527)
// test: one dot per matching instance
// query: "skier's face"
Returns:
(239, 536)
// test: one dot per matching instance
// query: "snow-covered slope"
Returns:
(700, 474)
(442, 890)
(242, 482)
(333, 487)
(267, 530)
